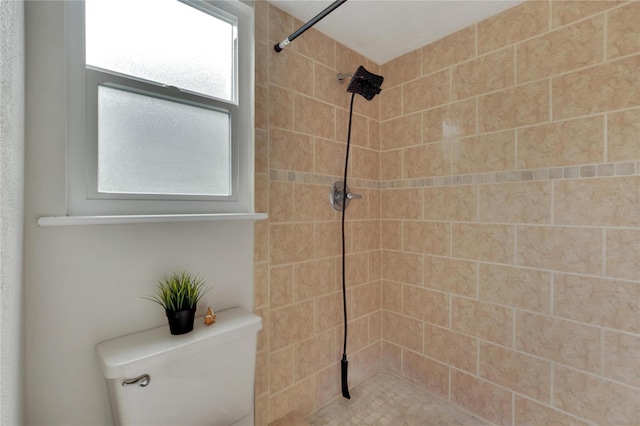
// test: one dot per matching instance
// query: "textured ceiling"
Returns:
(382, 30)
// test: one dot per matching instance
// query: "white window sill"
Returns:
(126, 219)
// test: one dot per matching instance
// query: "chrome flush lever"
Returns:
(337, 197)
(141, 381)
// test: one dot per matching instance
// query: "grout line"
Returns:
(515, 149)
(515, 245)
(605, 137)
(551, 381)
(513, 331)
(478, 356)
(401, 299)
(525, 267)
(475, 40)
(570, 172)
(506, 224)
(515, 64)
(447, 104)
(523, 351)
(605, 35)
(422, 340)
(401, 87)
(476, 116)
(552, 287)
(477, 268)
(583, 68)
(450, 159)
(478, 204)
(602, 353)
(423, 205)
(451, 84)
(449, 384)
(550, 99)
(604, 252)
(513, 408)
(451, 240)
(596, 376)
(482, 341)
(552, 215)
(422, 271)
(450, 312)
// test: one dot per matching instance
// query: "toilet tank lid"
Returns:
(131, 354)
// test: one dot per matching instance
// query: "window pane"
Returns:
(148, 145)
(163, 41)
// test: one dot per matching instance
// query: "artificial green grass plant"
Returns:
(179, 291)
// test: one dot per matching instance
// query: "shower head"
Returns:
(365, 83)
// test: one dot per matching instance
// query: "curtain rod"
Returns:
(279, 46)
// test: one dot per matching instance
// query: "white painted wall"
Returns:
(83, 284)
(11, 211)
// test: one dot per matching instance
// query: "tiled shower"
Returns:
(495, 257)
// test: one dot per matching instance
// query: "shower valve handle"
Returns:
(337, 197)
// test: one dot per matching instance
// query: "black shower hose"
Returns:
(344, 362)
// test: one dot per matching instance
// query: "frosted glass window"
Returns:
(148, 145)
(163, 41)
(160, 106)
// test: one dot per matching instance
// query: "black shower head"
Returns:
(365, 83)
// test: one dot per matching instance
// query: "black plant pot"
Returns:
(181, 322)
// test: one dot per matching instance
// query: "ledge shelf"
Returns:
(161, 218)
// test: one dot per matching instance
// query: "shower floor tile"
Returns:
(386, 399)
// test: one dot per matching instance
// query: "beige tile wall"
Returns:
(495, 259)
(510, 221)
(301, 129)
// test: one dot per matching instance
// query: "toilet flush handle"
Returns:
(141, 381)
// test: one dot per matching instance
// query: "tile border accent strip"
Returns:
(318, 179)
(552, 173)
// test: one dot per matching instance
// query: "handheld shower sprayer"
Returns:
(367, 85)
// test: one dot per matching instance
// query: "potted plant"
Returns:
(179, 294)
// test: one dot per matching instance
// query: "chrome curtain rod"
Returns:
(279, 46)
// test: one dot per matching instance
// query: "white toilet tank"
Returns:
(201, 378)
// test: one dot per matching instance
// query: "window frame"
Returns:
(96, 78)
(82, 147)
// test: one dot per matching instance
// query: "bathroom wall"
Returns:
(510, 226)
(301, 130)
(84, 283)
(509, 229)
(11, 212)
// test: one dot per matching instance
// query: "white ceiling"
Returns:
(382, 30)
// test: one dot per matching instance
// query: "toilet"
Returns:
(204, 377)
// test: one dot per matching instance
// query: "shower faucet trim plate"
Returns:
(337, 197)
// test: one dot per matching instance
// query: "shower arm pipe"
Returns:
(279, 46)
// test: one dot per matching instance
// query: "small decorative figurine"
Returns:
(209, 317)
